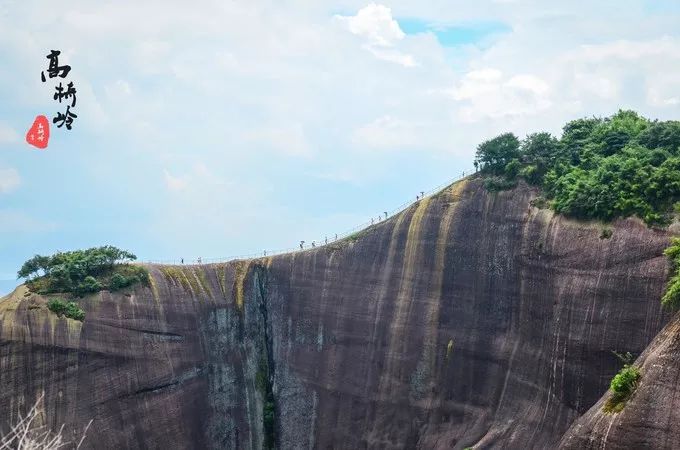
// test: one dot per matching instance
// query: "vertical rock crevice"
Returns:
(266, 368)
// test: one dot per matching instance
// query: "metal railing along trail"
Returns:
(320, 242)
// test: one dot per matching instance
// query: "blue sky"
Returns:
(216, 129)
(475, 33)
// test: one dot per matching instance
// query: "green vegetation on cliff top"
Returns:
(600, 168)
(80, 272)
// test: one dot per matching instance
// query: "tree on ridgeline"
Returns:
(82, 271)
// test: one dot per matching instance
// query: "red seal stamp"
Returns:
(39, 133)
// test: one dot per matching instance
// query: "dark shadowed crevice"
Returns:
(181, 379)
(265, 371)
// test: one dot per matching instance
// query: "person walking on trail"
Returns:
(199, 260)
(302, 243)
(336, 236)
(313, 244)
(182, 259)
(422, 194)
(326, 239)
(385, 214)
(265, 253)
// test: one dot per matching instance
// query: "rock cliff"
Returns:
(470, 319)
(650, 418)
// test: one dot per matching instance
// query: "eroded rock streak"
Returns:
(469, 319)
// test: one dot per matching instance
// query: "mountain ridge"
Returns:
(470, 319)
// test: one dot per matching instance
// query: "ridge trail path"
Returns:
(320, 242)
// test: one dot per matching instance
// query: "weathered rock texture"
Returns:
(651, 417)
(469, 319)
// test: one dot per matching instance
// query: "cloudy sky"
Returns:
(228, 127)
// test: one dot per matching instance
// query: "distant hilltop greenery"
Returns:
(600, 168)
(82, 272)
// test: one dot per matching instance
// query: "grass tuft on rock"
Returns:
(622, 386)
(671, 297)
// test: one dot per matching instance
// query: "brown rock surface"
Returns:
(469, 319)
(650, 418)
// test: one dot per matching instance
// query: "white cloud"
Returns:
(175, 183)
(92, 112)
(12, 221)
(656, 97)
(596, 85)
(375, 24)
(7, 134)
(149, 55)
(394, 56)
(528, 83)
(267, 93)
(288, 139)
(621, 69)
(478, 82)
(338, 176)
(117, 90)
(386, 132)
(627, 50)
(196, 179)
(487, 94)
(9, 180)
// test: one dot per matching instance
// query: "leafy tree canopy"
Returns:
(82, 271)
(493, 155)
(600, 168)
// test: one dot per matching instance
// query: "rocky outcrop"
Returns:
(650, 418)
(471, 318)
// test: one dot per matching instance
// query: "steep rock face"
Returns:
(650, 418)
(469, 319)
